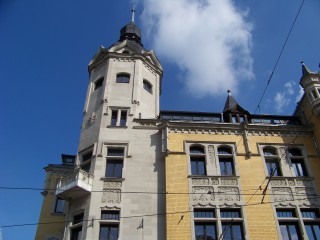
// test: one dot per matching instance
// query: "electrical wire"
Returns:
(279, 56)
(143, 215)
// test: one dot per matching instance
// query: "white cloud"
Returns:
(300, 94)
(283, 99)
(209, 40)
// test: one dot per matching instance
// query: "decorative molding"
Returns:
(211, 153)
(219, 190)
(112, 184)
(111, 196)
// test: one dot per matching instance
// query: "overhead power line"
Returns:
(279, 56)
(143, 215)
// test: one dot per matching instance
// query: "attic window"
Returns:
(147, 86)
(123, 78)
(126, 51)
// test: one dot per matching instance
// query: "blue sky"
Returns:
(45, 48)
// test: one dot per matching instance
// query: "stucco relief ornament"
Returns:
(200, 181)
(229, 182)
(278, 183)
(203, 195)
(111, 196)
(229, 194)
(304, 182)
(211, 153)
(214, 181)
(112, 184)
(282, 194)
(306, 196)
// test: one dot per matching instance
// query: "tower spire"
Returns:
(133, 12)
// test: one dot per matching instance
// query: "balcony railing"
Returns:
(74, 185)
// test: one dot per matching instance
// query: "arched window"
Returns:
(196, 150)
(226, 163)
(224, 150)
(270, 151)
(297, 161)
(197, 160)
(98, 83)
(272, 161)
(147, 86)
(123, 78)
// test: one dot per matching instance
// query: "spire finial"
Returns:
(133, 11)
(229, 92)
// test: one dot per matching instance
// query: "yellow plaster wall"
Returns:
(47, 215)
(259, 218)
(178, 224)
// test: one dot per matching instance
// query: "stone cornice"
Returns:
(236, 129)
(100, 60)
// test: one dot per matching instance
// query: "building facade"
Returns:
(142, 173)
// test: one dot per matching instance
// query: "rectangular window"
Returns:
(230, 213)
(198, 166)
(290, 230)
(232, 231)
(204, 213)
(114, 117)
(311, 224)
(313, 230)
(273, 167)
(59, 206)
(115, 152)
(299, 167)
(114, 168)
(110, 215)
(119, 117)
(288, 223)
(310, 213)
(286, 213)
(109, 231)
(78, 219)
(115, 158)
(76, 233)
(226, 166)
(123, 118)
(205, 231)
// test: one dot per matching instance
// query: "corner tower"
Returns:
(124, 83)
(118, 164)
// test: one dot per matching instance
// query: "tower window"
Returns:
(123, 78)
(114, 162)
(147, 86)
(98, 83)
(119, 117)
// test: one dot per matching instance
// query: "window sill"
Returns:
(220, 176)
(110, 126)
(287, 177)
(112, 179)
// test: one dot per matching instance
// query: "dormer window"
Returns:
(147, 86)
(123, 78)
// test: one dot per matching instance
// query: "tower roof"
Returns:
(232, 105)
(305, 70)
(131, 32)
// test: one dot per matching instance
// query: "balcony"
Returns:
(75, 185)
